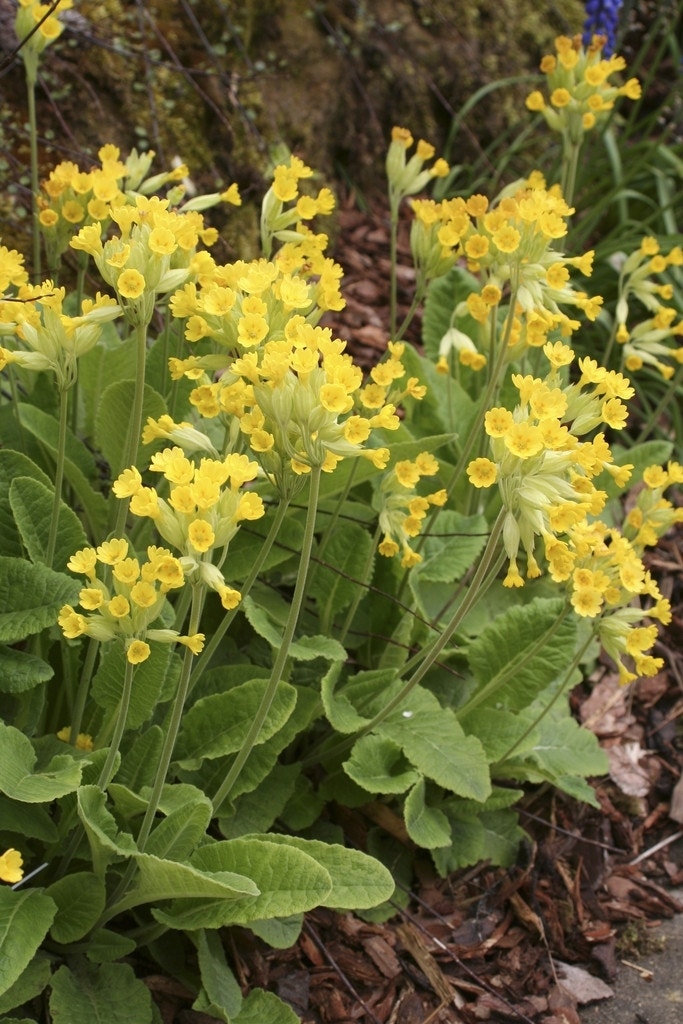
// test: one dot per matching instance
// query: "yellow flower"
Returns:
(11, 866)
(130, 284)
(482, 472)
(137, 651)
(82, 742)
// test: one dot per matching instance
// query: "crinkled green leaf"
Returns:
(358, 881)
(21, 671)
(12, 465)
(177, 835)
(112, 421)
(221, 995)
(107, 841)
(260, 1006)
(30, 597)
(80, 899)
(18, 779)
(427, 826)
(30, 983)
(27, 820)
(99, 994)
(305, 648)
(218, 724)
(338, 579)
(527, 648)
(31, 503)
(160, 670)
(25, 917)
(378, 764)
(160, 880)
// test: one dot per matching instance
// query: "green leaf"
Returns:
(221, 995)
(345, 561)
(218, 724)
(279, 932)
(434, 741)
(260, 1006)
(306, 648)
(341, 713)
(106, 946)
(80, 900)
(12, 465)
(181, 830)
(25, 917)
(21, 671)
(31, 504)
(113, 412)
(30, 598)
(427, 826)
(19, 781)
(287, 882)
(444, 295)
(107, 843)
(99, 994)
(27, 820)
(79, 466)
(520, 653)
(170, 880)
(111, 360)
(138, 766)
(378, 765)
(30, 983)
(257, 811)
(451, 547)
(160, 670)
(358, 881)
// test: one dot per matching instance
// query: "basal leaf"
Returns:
(31, 503)
(427, 826)
(18, 779)
(80, 899)
(21, 671)
(181, 830)
(27, 820)
(303, 649)
(358, 881)
(30, 983)
(107, 842)
(12, 465)
(260, 1006)
(25, 917)
(159, 671)
(340, 713)
(160, 880)
(220, 991)
(218, 724)
(520, 653)
(338, 578)
(112, 421)
(105, 946)
(99, 994)
(30, 597)
(378, 764)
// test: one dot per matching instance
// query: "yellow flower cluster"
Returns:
(406, 176)
(53, 340)
(511, 243)
(285, 209)
(11, 866)
(32, 13)
(154, 253)
(544, 473)
(402, 510)
(135, 599)
(653, 514)
(579, 91)
(203, 511)
(645, 344)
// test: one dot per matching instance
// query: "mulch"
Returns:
(536, 941)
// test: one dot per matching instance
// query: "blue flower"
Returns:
(602, 18)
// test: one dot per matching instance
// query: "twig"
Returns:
(337, 969)
(653, 849)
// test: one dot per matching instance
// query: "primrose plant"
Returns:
(246, 584)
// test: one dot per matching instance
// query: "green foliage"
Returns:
(288, 594)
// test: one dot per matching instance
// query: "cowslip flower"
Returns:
(32, 13)
(127, 606)
(402, 510)
(408, 175)
(11, 866)
(580, 95)
(647, 341)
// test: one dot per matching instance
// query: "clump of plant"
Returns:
(244, 582)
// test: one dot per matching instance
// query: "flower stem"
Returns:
(198, 591)
(226, 786)
(122, 715)
(257, 565)
(35, 185)
(135, 422)
(59, 477)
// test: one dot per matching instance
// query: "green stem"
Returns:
(83, 689)
(59, 476)
(226, 786)
(420, 290)
(122, 715)
(198, 591)
(35, 184)
(256, 567)
(135, 422)
(570, 165)
(362, 584)
(486, 572)
(332, 522)
(393, 261)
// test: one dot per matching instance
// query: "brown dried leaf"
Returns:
(582, 986)
(625, 768)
